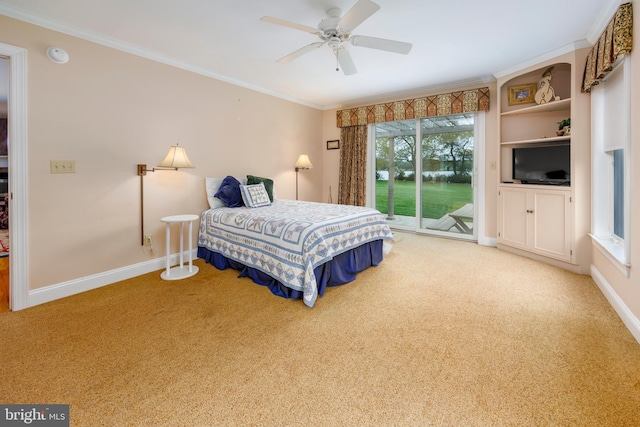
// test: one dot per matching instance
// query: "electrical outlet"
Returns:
(147, 240)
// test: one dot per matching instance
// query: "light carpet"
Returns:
(442, 333)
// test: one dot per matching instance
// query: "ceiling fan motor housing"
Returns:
(334, 12)
(329, 29)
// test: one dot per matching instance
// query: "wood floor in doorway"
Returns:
(4, 284)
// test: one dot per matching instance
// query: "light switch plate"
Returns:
(63, 166)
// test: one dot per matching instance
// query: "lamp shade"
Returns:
(303, 162)
(176, 158)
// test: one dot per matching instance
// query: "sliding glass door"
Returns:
(427, 186)
(395, 148)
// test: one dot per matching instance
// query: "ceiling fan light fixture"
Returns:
(334, 43)
(336, 29)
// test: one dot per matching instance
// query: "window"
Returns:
(611, 136)
(618, 193)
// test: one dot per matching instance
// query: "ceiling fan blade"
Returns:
(357, 15)
(345, 61)
(381, 44)
(293, 25)
(300, 52)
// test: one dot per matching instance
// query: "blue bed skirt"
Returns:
(340, 270)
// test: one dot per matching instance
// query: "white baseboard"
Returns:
(76, 286)
(631, 322)
(488, 241)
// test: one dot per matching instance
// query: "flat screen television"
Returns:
(549, 165)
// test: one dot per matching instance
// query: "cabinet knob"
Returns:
(529, 211)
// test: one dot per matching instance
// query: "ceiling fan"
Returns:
(335, 31)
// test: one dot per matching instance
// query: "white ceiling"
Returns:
(454, 41)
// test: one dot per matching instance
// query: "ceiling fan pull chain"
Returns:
(337, 59)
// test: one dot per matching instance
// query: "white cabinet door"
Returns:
(551, 224)
(536, 220)
(514, 218)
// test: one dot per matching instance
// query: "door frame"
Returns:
(18, 201)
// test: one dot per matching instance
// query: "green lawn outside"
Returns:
(437, 198)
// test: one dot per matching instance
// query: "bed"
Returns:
(296, 248)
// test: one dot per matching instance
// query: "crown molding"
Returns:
(592, 36)
(607, 12)
(22, 15)
(542, 58)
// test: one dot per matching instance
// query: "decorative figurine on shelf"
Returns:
(545, 92)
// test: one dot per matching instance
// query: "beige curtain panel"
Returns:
(615, 42)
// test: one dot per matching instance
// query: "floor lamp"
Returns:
(302, 163)
(175, 159)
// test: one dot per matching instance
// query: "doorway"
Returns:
(18, 172)
(425, 173)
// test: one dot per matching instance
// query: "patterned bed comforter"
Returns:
(290, 238)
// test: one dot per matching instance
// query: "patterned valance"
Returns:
(614, 42)
(466, 101)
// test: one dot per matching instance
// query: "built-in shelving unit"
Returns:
(539, 220)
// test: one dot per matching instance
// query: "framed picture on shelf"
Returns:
(522, 94)
(333, 145)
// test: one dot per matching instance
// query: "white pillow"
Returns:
(211, 186)
(255, 195)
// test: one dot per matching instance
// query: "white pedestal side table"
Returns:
(181, 271)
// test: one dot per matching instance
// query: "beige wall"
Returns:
(109, 111)
(330, 158)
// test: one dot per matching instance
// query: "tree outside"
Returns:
(446, 153)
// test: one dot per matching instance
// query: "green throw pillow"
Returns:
(268, 184)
